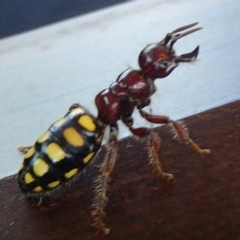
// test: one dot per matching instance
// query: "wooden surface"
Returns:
(201, 202)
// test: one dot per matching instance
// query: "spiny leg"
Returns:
(153, 147)
(101, 182)
(24, 149)
(179, 130)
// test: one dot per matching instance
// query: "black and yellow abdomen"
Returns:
(61, 152)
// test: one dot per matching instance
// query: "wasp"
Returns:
(62, 152)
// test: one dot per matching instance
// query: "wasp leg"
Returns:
(178, 128)
(101, 182)
(153, 146)
(154, 143)
(24, 149)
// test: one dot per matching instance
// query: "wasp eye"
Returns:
(165, 64)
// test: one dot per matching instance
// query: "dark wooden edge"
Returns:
(201, 202)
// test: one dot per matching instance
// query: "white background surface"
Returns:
(43, 72)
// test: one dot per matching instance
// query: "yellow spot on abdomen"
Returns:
(28, 178)
(73, 137)
(40, 167)
(53, 184)
(30, 152)
(87, 122)
(43, 137)
(88, 157)
(55, 152)
(71, 173)
(38, 189)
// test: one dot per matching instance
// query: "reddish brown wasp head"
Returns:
(158, 60)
